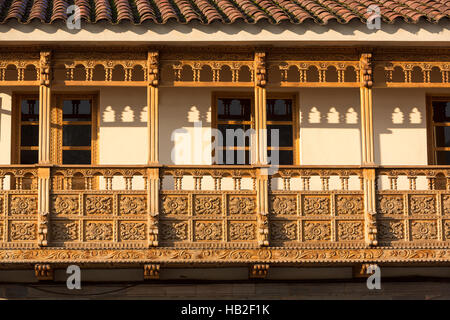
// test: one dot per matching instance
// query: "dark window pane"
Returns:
(235, 135)
(30, 110)
(77, 135)
(442, 136)
(76, 157)
(234, 109)
(29, 156)
(284, 135)
(233, 157)
(29, 136)
(280, 157)
(441, 111)
(279, 110)
(77, 110)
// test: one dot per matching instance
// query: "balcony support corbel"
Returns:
(369, 174)
(153, 179)
(44, 148)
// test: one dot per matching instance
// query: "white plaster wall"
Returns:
(400, 129)
(5, 126)
(330, 126)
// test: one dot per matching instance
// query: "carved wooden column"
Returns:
(259, 154)
(44, 147)
(369, 174)
(153, 147)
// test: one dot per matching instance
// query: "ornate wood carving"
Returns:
(151, 271)
(258, 271)
(43, 272)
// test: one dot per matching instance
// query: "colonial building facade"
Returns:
(109, 141)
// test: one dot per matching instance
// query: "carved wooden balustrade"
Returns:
(212, 214)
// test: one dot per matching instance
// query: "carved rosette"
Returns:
(99, 205)
(349, 205)
(350, 230)
(22, 231)
(23, 205)
(391, 230)
(174, 230)
(315, 205)
(133, 205)
(238, 205)
(174, 205)
(132, 231)
(390, 204)
(283, 205)
(98, 231)
(424, 230)
(242, 231)
(283, 231)
(422, 204)
(208, 205)
(64, 205)
(64, 231)
(316, 231)
(208, 231)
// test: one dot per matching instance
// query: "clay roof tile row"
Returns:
(224, 11)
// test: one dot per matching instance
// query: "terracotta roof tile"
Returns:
(224, 11)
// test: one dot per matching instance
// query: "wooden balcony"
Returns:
(224, 214)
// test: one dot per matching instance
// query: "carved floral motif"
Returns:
(284, 205)
(22, 231)
(208, 205)
(174, 205)
(391, 230)
(132, 231)
(23, 205)
(64, 231)
(447, 229)
(64, 205)
(241, 205)
(390, 205)
(424, 230)
(350, 230)
(173, 230)
(349, 205)
(98, 231)
(422, 204)
(241, 231)
(446, 204)
(316, 231)
(284, 231)
(133, 205)
(208, 231)
(316, 205)
(99, 205)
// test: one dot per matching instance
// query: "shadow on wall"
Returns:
(3, 113)
(329, 117)
(124, 116)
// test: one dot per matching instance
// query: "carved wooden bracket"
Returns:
(153, 68)
(45, 76)
(366, 70)
(258, 271)
(151, 271)
(260, 69)
(361, 270)
(43, 272)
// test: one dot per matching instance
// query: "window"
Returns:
(27, 130)
(439, 130)
(234, 116)
(73, 129)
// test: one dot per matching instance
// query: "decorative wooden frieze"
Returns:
(43, 272)
(258, 271)
(151, 271)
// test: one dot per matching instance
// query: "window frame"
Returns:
(269, 95)
(431, 125)
(56, 122)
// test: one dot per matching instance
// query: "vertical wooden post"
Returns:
(153, 182)
(369, 174)
(44, 148)
(259, 154)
